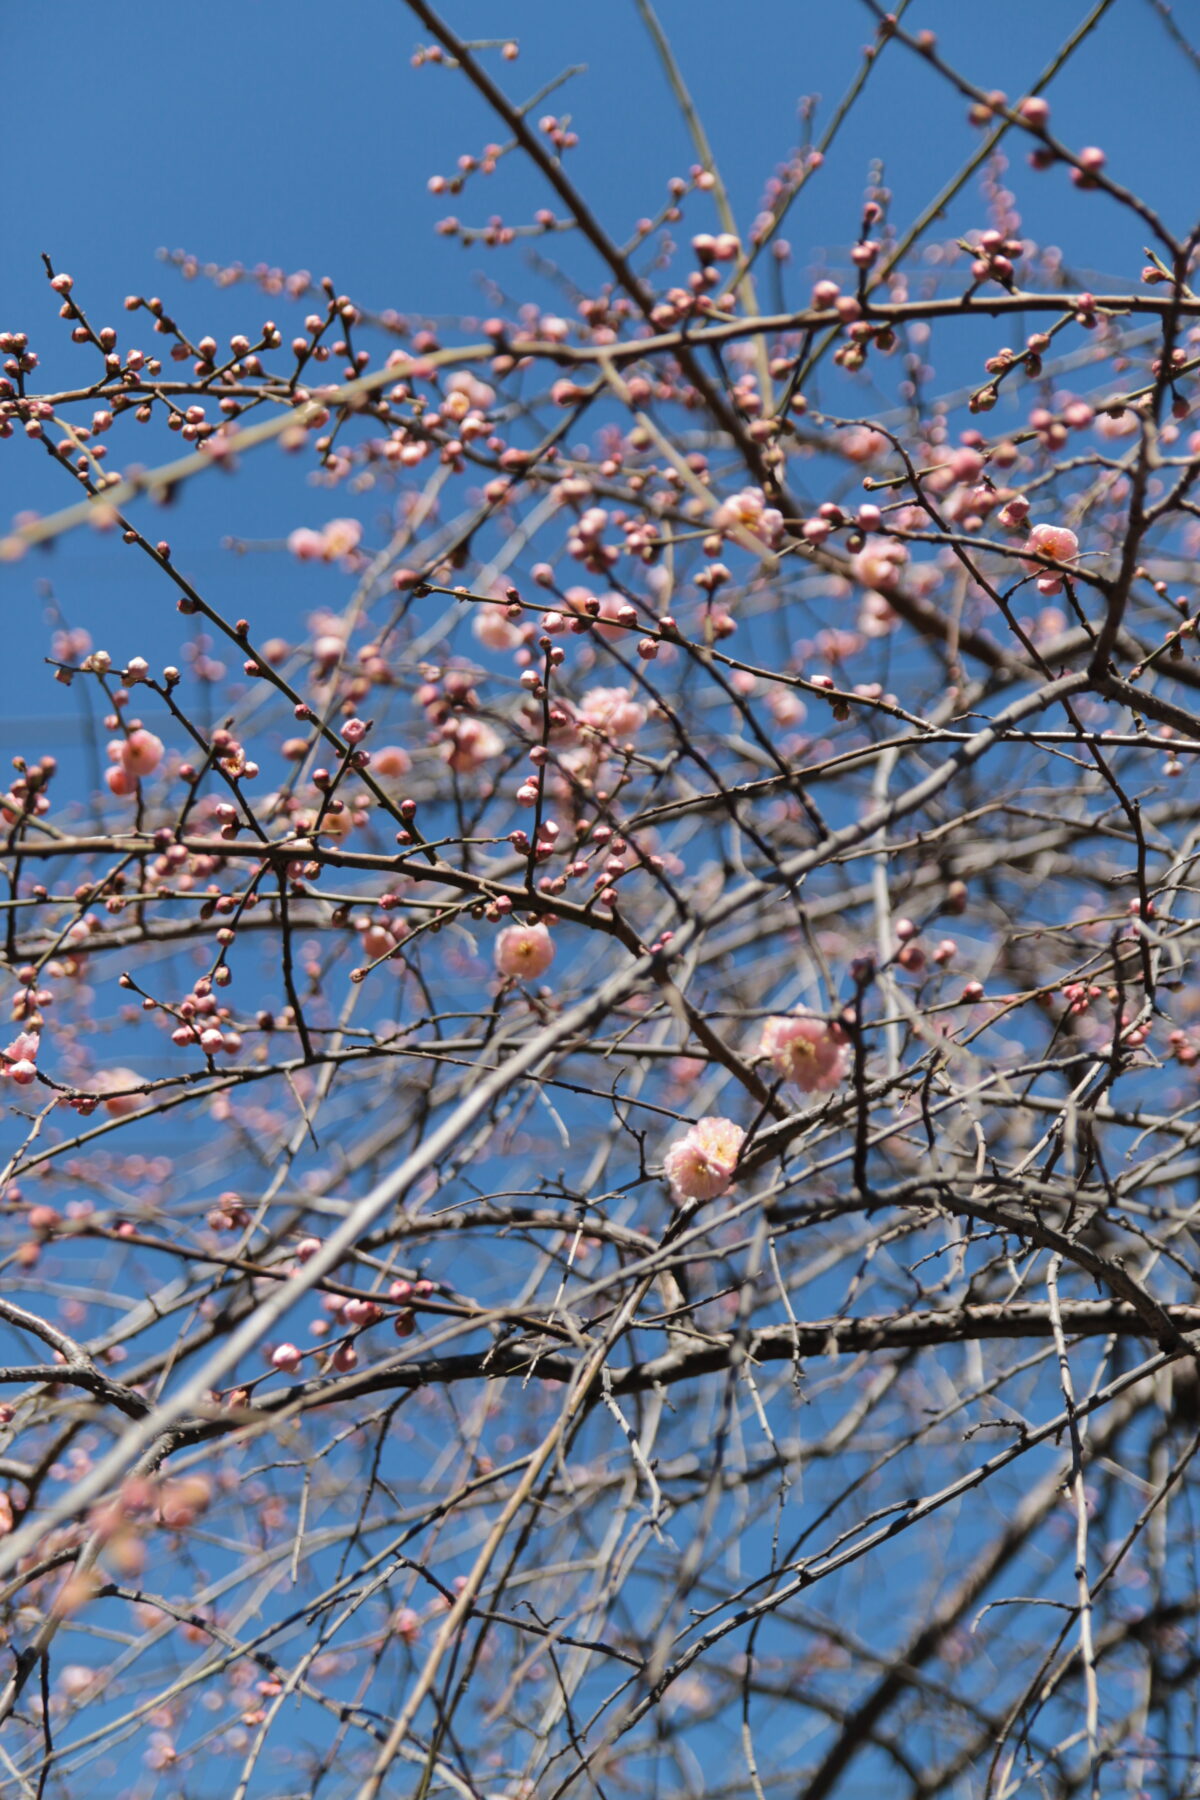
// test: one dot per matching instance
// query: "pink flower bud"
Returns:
(141, 753)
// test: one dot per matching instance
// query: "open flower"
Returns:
(700, 1165)
(307, 544)
(336, 542)
(1056, 541)
(114, 1084)
(524, 950)
(495, 630)
(808, 1051)
(878, 564)
(612, 711)
(469, 743)
(749, 512)
(340, 539)
(20, 1059)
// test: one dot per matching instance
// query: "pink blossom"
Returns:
(339, 825)
(338, 541)
(1115, 425)
(494, 630)
(877, 565)
(748, 511)
(1056, 541)
(392, 761)
(860, 444)
(875, 617)
(612, 711)
(377, 941)
(701, 1164)
(806, 1050)
(70, 646)
(141, 752)
(477, 392)
(406, 1624)
(786, 707)
(470, 743)
(524, 950)
(307, 544)
(607, 623)
(77, 1678)
(119, 781)
(20, 1063)
(119, 1105)
(340, 538)
(328, 649)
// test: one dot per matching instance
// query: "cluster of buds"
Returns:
(1053, 428)
(19, 358)
(678, 304)
(994, 257)
(27, 796)
(827, 519)
(202, 1020)
(228, 1213)
(30, 998)
(909, 954)
(585, 541)
(558, 131)
(446, 693)
(861, 335)
(710, 252)
(381, 940)
(713, 576)
(467, 165)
